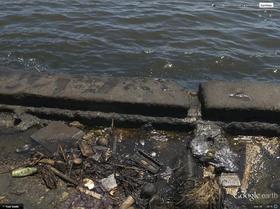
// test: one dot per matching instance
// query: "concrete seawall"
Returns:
(137, 101)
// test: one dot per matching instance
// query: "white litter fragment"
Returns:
(109, 183)
(88, 183)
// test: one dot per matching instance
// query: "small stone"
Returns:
(27, 121)
(89, 136)
(148, 190)
(109, 183)
(77, 161)
(7, 120)
(275, 186)
(103, 141)
(76, 124)
(86, 149)
(64, 196)
(209, 171)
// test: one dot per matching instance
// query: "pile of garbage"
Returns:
(103, 176)
(104, 173)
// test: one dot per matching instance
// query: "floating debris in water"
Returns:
(168, 65)
(148, 51)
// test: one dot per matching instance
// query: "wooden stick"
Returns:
(61, 175)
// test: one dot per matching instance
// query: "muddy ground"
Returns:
(183, 180)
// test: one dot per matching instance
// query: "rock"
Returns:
(86, 148)
(109, 183)
(77, 161)
(275, 186)
(89, 135)
(148, 190)
(26, 121)
(209, 145)
(7, 120)
(103, 141)
(57, 133)
(76, 124)
(209, 171)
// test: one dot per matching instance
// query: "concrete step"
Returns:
(240, 101)
(145, 96)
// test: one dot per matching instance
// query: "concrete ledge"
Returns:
(151, 97)
(93, 118)
(240, 101)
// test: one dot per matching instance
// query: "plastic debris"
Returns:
(109, 183)
(27, 171)
(88, 183)
(229, 180)
(209, 171)
(166, 175)
(24, 148)
(239, 95)
(209, 145)
(231, 183)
